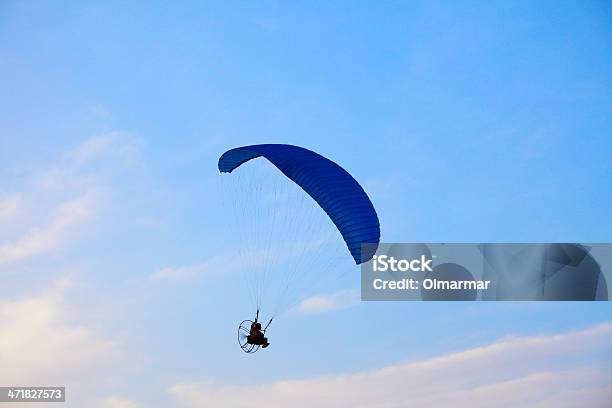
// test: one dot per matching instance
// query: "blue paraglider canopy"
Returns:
(332, 187)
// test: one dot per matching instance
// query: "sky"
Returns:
(471, 122)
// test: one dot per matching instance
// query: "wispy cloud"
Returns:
(10, 206)
(117, 145)
(41, 336)
(52, 236)
(74, 167)
(219, 263)
(328, 302)
(185, 271)
(565, 370)
(68, 176)
(227, 262)
(38, 342)
(239, 259)
(117, 402)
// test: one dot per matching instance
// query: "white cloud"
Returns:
(239, 259)
(41, 240)
(117, 402)
(116, 145)
(229, 262)
(10, 206)
(325, 303)
(44, 339)
(567, 370)
(71, 170)
(69, 176)
(180, 272)
(38, 344)
(213, 266)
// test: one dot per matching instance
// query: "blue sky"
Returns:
(468, 123)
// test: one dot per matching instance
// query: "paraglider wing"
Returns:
(332, 187)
